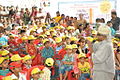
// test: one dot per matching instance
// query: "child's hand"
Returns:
(91, 76)
(118, 68)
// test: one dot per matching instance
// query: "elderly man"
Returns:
(103, 56)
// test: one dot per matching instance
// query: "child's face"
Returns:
(81, 27)
(74, 50)
(44, 29)
(17, 70)
(29, 62)
(115, 45)
(110, 25)
(5, 64)
(59, 44)
(69, 51)
(70, 30)
(36, 76)
(82, 59)
(47, 44)
(67, 40)
(82, 43)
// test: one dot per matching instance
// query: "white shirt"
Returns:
(21, 76)
(46, 75)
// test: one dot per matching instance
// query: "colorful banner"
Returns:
(90, 9)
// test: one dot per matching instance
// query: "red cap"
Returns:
(15, 65)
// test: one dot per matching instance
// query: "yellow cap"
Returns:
(49, 61)
(32, 30)
(27, 57)
(90, 39)
(5, 52)
(81, 55)
(70, 27)
(35, 26)
(57, 27)
(58, 39)
(31, 37)
(117, 39)
(45, 36)
(114, 41)
(1, 59)
(61, 27)
(74, 39)
(74, 46)
(44, 26)
(45, 40)
(47, 33)
(94, 32)
(5, 45)
(24, 26)
(51, 30)
(35, 71)
(7, 78)
(68, 47)
(16, 57)
(1, 52)
(54, 34)
(41, 36)
(24, 38)
(63, 37)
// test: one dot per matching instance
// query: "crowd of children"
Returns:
(34, 46)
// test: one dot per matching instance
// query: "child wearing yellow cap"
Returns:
(117, 59)
(47, 51)
(31, 48)
(67, 41)
(35, 74)
(27, 62)
(22, 46)
(4, 66)
(84, 67)
(71, 30)
(47, 69)
(58, 44)
(67, 62)
(75, 49)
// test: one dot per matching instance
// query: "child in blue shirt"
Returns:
(4, 66)
(67, 62)
(109, 23)
(3, 40)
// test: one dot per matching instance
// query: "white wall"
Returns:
(118, 8)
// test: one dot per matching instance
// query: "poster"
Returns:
(90, 9)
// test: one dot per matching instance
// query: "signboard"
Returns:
(90, 9)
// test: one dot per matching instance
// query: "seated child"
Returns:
(27, 62)
(84, 67)
(67, 62)
(35, 74)
(4, 66)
